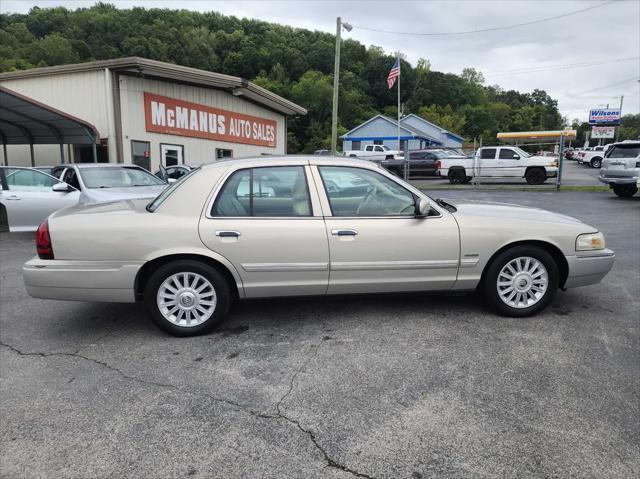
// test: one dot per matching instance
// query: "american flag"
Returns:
(393, 74)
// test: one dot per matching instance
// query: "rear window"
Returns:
(624, 151)
(151, 207)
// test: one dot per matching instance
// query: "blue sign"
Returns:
(604, 115)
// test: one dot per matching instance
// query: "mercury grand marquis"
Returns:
(294, 226)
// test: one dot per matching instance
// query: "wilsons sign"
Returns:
(177, 117)
(604, 115)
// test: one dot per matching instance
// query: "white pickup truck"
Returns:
(374, 153)
(593, 157)
(499, 162)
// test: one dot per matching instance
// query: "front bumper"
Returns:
(589, 267)
(108, 281)
(552, 171)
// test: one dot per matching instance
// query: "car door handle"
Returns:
(13, 198)
(344, 232)
(227, 234)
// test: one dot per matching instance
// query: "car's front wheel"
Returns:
(521, 281)
(187, 297)
(596, 163)
(456, 176)
(535, 176)
(625, 191)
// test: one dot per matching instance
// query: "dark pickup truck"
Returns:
(421, 163)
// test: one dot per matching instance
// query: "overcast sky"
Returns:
(605, 34)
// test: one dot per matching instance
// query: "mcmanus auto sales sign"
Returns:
(182, 118)
(604, 115)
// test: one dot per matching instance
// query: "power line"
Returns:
(492, 29)
(603, 87)
(544, 68)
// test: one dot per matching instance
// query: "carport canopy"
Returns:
(25, 121)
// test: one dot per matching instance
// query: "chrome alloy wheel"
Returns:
(186, 299)
(522, 282)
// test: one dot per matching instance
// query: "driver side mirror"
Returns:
(62, 187)
(516, 157)
(422, 207)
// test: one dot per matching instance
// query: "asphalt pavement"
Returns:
(409, 386)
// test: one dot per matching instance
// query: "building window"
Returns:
(377, 142)
(221, 153)
(356, 145)
(141, 154)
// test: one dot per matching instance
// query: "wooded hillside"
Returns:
(295, 63)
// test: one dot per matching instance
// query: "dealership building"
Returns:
(140, 111)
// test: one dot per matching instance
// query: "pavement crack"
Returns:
(330, 462)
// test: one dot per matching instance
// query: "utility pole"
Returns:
(618, 129)
(336, 80)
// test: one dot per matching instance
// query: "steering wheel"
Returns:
(366, 198)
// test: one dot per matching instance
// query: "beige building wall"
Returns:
(196, 150)
(89, 96)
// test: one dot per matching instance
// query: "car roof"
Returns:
(102, 165)
(291, 160)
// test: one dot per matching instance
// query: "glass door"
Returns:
(171, 155)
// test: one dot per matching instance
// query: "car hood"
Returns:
(506, 211)
(99, 195)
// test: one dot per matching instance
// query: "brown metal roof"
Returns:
(168, 71)
(26, 121)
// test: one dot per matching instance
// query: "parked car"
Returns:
(419, 164)
(322, 152)
(592, 157)
(499, 162)
(621, 168)
(374, 153)
(99, 182)
(171, 174)
(203, 243)
(29, 196)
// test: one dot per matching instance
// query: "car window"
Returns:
(488, 153)
(118, 177)
(368, 148)
(71, 178)
(176, 173)
(623, 151)
(279, 191)
(507, 154)
(362, 192)
(23, 179)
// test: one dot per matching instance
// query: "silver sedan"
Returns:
(294, 226)
(29, 196)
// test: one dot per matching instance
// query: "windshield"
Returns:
(113, 177)
(521, 152)
(624, 151)
(385, 147)
(158, 200)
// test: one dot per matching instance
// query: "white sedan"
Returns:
(270, 227)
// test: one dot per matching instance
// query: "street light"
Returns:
(336, 77)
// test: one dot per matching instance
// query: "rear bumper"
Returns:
(618, 180)
(589, 267)
(107, 281)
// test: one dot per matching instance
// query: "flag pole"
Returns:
(398, 56)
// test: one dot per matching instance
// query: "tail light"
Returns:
(43, 241)
(438, 164)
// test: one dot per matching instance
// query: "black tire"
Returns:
(389, 157)
(353, 156)
(218, 281)
(456, 176)
(490, 288)
(467, 179)
(535, 176)
(625, 191)
(596, 163)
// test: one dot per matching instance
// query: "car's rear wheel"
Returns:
(456, 176)
(521, 281)
(625, 191)
(187, 297)
(596, 163)
(535, 176)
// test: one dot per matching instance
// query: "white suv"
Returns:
(621, 167)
